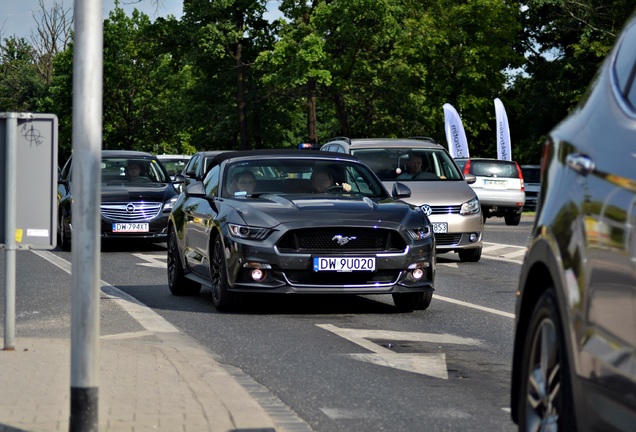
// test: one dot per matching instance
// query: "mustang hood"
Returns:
(270, 210)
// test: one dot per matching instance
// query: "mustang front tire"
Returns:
(407, 302)
(177, 282)
(222, 298)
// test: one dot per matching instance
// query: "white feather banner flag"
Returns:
(455, 134)
(503, 132)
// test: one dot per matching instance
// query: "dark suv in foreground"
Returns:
(574, 364)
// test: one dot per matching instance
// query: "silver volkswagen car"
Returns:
(436, 184)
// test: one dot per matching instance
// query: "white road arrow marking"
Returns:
(158, 261)
(431, 364)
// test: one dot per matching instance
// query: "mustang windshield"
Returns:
(293, 176)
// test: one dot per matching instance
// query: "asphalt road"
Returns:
(334, 363)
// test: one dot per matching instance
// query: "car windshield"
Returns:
(174, 166)
(117, 171)
(300, 176)
(409, 164)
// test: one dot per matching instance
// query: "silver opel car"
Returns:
(436, 184)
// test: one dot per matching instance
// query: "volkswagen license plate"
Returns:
(440, 227)
(344, 264)
(131, 227)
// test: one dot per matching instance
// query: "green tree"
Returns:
(20, 84)
(226, 37)
(564, 43)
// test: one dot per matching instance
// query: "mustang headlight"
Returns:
(419, 233)
(470, 207)
(248, 232)
(168, 205)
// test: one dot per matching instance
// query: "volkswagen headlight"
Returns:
(470, 207)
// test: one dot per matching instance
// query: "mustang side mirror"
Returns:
(400, 190)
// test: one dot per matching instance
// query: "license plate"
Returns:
(440, 227)
(495, 184)
(344, 264)
(131, 227)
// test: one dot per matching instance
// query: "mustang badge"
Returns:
(342, 240)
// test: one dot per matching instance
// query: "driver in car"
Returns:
(321, 179)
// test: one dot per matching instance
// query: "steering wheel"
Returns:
(334, 188)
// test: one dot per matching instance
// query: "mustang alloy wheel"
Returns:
(546, 402)
(222, 298)
(177, 282)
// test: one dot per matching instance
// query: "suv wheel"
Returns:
(546, 395)
(513, 219)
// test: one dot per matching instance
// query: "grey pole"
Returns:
(10, 225)
(85, 239)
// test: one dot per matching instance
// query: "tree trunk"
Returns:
(311, 113)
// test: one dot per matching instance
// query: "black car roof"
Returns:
(126, 153)
(300, 154)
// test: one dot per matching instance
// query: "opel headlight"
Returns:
(470, 207)
(168, 205)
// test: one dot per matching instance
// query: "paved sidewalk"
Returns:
(146, 383)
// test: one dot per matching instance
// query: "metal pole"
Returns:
(10, 226)
(85, 239)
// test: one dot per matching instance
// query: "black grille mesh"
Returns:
(447, 239)
(326, 240)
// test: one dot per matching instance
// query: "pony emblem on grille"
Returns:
(342, 240)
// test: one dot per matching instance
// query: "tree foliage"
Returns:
(223, 77)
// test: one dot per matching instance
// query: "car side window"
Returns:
(212, 181)
(191, 168)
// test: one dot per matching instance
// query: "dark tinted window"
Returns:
(531, 174)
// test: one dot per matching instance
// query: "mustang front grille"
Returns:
(131, 211)
(346, 239)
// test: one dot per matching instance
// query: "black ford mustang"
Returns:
(260, 223)
(136, 198)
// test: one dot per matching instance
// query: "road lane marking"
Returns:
(149, 319)
(430, 364)
(473, 306)
(152, 260)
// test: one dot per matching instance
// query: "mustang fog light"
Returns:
(417, 270)
(258, 272)
(417, 274)
(258, 275)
